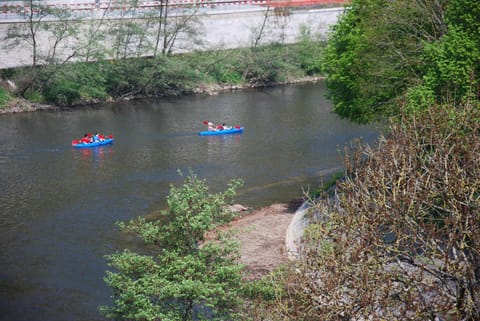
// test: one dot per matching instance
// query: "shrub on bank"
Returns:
(82, 83)
(4, 97)
(72, 84)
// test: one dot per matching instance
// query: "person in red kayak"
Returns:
(86, 139)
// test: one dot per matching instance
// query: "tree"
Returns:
(452, 64)
(185, 277)
(18, 34)
(128, 33)
(43, 21)
(374, 54)
(399, 240)
(185, 26)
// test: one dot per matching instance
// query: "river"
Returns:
(59, 205)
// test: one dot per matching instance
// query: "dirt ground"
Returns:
(261, 233)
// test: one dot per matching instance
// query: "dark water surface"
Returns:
(59, 205)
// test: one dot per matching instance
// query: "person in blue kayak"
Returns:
(211, 126)
(98, 138)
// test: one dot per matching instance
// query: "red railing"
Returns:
(19, 7)
(304, 3)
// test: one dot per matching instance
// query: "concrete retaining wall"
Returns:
(218, 30)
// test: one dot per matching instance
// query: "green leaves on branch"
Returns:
(382, 52)
(187, 278)
(4, 97)
(192, 211)
(174, 286)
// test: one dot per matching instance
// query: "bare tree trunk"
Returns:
(260, 33)
(33, 33)
(159, 30)
(165, 35)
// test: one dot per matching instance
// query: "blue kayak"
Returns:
(234, 130)
(93, 144)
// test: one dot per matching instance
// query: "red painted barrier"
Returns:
(303, 3)
(13, 7)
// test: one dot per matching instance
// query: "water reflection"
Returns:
(94, 155)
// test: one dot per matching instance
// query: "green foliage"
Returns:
(263, 65)
(309, 52)
(381, 52)
(174, 286)
(126, 77)
(34, 96)
(261, 289)
(343, 66)
(223, 67)
(452, 63)
(419, 98)
(73, 84)
(187, 278)
(453, 66)
(192, 210)
(4, 97)
(464, 15)
(178, 75)
(163, 75)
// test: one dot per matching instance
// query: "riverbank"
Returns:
(261, 234)
(20, 105)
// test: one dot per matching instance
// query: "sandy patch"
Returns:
(262, 236)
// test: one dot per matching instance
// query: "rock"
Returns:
(237, 208)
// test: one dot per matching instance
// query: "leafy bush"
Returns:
(187, 278)
(74, 83)
(125, 77)
(34, 96)
(308, 53)
(4, 97)
(374, 54)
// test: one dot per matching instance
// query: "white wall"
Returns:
(219, 30)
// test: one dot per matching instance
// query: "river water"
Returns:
(59, 205)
